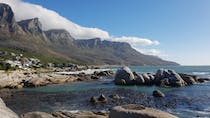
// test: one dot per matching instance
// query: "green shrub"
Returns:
(6, 66)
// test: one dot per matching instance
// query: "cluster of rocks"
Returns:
(23, 79)
(163, 78)
(103, 99)
(125, 111)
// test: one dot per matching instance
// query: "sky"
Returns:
(176, 30)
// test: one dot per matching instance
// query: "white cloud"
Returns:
(153, 52)
(135, 41)
(52, 20)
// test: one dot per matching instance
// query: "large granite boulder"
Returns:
(139, 79)
(125, 76)
(166, 77)
(137, 111)
(37, 115)
(5, 112)
(189, 79)
(148, 78)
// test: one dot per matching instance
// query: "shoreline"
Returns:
(43, 78)
(33, 78)
(28, 98)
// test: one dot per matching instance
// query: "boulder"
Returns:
(176, 81)
(207, 79)
(139, 80)
(93, 99)
(95, 77)
(137, 111)
(158, 93)
(189, 80)
(102, 98)
(5, 112)
(114, 96)
(146, 78)
(37, 115)
(162, 73)
(124, 74)
(164, 77)
(103, 73)
(201, 80)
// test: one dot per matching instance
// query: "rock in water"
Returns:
(189, 79)
(102, 98)
(5, 112)
(124, 74)
(37, 115)
(166, 77)
(93, 99)
(114, 96)
(158, 93)
(139, 80)
(137, 111)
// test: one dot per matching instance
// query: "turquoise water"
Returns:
(190, 101)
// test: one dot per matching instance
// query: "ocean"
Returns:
(184, 102)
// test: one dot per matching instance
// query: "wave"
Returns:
(201, 73)
(88, 71)
(187, 113)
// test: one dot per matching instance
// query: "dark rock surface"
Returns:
(163, 78)
(124, 76)
(158, 93)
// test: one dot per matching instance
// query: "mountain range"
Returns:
(28, 36)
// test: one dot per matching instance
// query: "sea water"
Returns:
(190, 101)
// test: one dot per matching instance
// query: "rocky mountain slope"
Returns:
(28, 36)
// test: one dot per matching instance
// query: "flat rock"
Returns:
(5, 112)
(81, 114)
(138, 111)
(37, 115)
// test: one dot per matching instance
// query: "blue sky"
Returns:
(181, 26)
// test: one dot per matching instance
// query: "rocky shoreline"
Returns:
(124, 111)
(162, 78)
(120, 106)
(23, 79)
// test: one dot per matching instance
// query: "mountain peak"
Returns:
(59, 36)
(32, 26)
(7, 19)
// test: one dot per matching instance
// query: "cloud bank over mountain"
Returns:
(136, 41)
(52, 20)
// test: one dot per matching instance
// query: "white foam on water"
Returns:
(200, 73)
(192, 113)
(88, 71)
